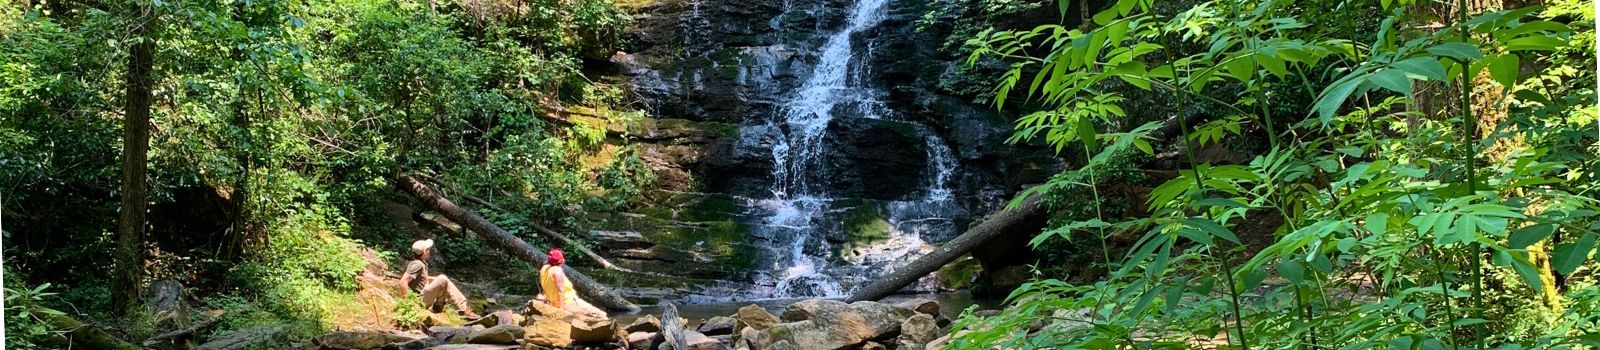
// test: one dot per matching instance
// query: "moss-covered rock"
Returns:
(959, 274)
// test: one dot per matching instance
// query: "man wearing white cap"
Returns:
(433, 288)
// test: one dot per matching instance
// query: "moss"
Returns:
(960, 273)
(866, 223)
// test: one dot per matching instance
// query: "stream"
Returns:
(951, 304)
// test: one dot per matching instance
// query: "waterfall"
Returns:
(796, 215)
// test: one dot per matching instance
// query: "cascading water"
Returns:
(793, 219)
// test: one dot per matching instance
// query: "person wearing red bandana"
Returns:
(557, 289)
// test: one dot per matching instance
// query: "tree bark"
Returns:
(135, 150)
(992, 226)
(587, 287)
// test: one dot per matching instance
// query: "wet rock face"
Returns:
(739, 62)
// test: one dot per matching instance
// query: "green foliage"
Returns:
(1378, 209)
(24, 327)
(409, 312)
(296, 114)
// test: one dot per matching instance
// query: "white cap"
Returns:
(422, 245)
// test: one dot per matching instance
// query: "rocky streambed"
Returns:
(818, 324)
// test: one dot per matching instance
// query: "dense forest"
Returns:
(967, 174)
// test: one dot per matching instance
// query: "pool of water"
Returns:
(951, 304)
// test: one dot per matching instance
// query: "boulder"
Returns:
(547, 332)
(453, 335)
(806, 309)
(443, 319)
(501, 334)
(755, 316)
(918, 331)
(640, 340)
(419, 344)
(781, 345)
(719, 325)
(699, 341)
(474, 347)
(539, 308)
(362, 339)
(833, 325)
(921, 305)
(938, 343)
(746, 337)
(648, 323)
(597, 332)
(250, 338)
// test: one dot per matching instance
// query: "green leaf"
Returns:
(1220, 202)
(1212, 228)
(1174, 296)
(1335, 97)
(1345, 244)
(1457, 50)
(1292, 270)
(1503, 68)
(1534, 43)
(1425, 67)
(1518, 261)
(1571, 255)
(1526, 236)
(1391, 79)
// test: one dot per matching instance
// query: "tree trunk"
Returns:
(992, 226)
(135, 149)
(571, 244)
(590, 290)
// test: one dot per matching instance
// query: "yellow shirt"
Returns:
(553, 283)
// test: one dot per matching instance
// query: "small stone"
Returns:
(501, 334)
(918, 330)
(921, 305)
(719, 325)
(873, 346)
(648, 323)
(699, 341)
(640, 340)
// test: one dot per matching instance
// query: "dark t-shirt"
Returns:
(418, 272)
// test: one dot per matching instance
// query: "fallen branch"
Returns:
(571, 244)
(992, 226)
(587, 287)
(213, 318)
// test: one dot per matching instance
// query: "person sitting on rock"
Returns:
(433, 289)
(557, 290)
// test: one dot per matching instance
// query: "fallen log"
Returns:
(571, 244)
(77, 335)
(992, 226)
(212, 318)
(587, 287)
